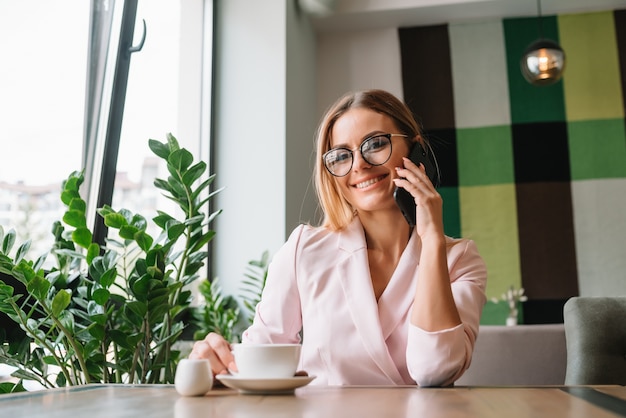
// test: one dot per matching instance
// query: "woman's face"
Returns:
(368, 187)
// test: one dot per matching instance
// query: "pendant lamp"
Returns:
(543, 61)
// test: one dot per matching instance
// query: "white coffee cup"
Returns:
(193, 377)
(266, 361)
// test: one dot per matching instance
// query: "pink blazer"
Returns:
(319, 287)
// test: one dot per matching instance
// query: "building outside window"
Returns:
(43, 82)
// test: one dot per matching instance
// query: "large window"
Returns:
(43, 45)
(43, 82)
(164, 95)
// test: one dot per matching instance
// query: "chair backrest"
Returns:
(595, 334)
(523, 355)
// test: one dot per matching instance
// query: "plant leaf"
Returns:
(143, 240)
(21, 251)
(60, 302)
(108, 277)
(128, 231)
(162, 219)
(105, 210)
(194, 173)
(38, 287)
(179, 160)
(92, 252)
(115, 220)
(82, 236)
(160, 149)
(161, 184)
(119, 338)
(101, 296)
(8, 387)
(174, 230)
(206, 238)
(8, 241)
(78, 205)
(97, 331)
(141, 287)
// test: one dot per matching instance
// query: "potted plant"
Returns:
(512, 297)
(108, 314)
(220, 313)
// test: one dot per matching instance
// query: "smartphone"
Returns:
(405, 201)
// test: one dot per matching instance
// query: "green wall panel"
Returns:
(541, 190)
(592, 73)
(451, 216)
(597, 149)
(530, 103)
(485, 156)
(489, 217)
(496, 313)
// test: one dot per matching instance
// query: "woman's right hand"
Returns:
(217, 350)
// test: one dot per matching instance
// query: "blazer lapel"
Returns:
(356, 283)
(398, 297)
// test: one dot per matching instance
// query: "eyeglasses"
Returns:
(375, 150)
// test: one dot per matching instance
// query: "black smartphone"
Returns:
(405, 201)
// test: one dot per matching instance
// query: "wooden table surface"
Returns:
(162, 401)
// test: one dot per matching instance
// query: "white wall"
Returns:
(302, 118)
(259, 123)
(357, 60)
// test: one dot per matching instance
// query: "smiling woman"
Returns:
(372, 299)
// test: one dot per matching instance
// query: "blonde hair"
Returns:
(338, 213)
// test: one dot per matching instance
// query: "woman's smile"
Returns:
(369, 182)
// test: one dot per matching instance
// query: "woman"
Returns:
(377, 302)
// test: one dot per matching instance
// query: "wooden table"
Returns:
(153, 401)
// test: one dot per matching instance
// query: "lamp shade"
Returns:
(543, 62)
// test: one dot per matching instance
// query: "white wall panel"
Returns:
(600, 229)
(480, 85)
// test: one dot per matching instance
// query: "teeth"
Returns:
(368, 183)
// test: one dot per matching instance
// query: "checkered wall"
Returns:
(535, 175)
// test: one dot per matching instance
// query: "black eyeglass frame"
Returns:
(360, 148)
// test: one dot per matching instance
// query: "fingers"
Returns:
(215, 349)
(427, 199)
(413, 179)
(413, 172)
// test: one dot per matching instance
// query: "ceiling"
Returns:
(355, 15)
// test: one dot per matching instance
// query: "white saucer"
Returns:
(264, 386)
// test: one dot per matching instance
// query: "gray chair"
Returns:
(595, 334)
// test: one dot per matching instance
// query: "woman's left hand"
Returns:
(428, 202)
(434, 307)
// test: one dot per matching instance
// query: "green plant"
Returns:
(218, 313)
(109, 314)
(252, 286)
